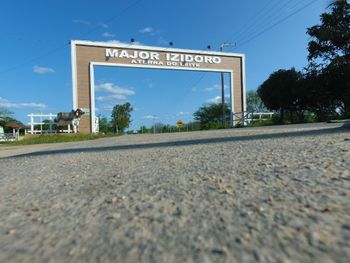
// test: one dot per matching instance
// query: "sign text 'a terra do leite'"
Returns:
(167, 59)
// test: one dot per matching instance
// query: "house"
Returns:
(15, 131)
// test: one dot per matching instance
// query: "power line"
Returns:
(52, 51)
(276, 24)
(253, 20)
(266, 18)
(191, 86)
(272, 19)
(61, 47)
(113, 17)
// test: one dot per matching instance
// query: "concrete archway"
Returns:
(86, 55)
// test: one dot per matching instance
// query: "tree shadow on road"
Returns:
(179, 143)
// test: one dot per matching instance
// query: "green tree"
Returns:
(6, 116)
(254, 102)
(121, 117)
(210, 115)
(283, 92)
(104, 125)
(5, 113)
(329, 56)
(144, 129)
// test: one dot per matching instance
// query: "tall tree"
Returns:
(121, 117)
(282, 92)
(329, 55)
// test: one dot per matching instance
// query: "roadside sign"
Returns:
(179, 123)
(86, 111)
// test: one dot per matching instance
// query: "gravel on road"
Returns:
(279, 194)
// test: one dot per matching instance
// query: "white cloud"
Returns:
(107, 107)
(181, 113)
(111, 97)
(11, 105)
(81, 21)
(150, 117)
(114, 89)
(146, 30)
(214, 87)
(217, 99)
(116, 41)
(42, 70)
(103, 25)
(90, 24)
(107, 34)
(114, 92)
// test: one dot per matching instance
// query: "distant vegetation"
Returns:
(56, 138)
(6, 117)
(120, 119)
(210, 116)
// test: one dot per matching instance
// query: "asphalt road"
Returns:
(277, 194)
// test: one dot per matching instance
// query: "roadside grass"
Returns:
(57, 138)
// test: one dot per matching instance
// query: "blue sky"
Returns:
(35, 67)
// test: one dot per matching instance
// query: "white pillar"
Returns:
(50, 119)
(31, 123)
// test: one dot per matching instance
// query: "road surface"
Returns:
(277, 194)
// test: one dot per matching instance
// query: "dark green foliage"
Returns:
(167, 128)
(324, 89)
(210, 116)
(121, 117)
(330, 40)
(104, 125)
(46, 126)
(284, 92)
(329, 57)
(6, 117)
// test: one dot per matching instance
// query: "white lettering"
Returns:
(111, 53)
(144, 55)
(216, 60)
(188, 58)
(208, 59)
(171, 63)
(124, 54)
(133, 55)
(198, 59)
(174, 57)
(154, 56)
(137, 56)
(182, 57)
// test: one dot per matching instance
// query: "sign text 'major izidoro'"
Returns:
(171, 59)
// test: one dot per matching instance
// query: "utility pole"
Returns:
(223, 86)
(223, 99)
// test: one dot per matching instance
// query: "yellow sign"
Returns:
(179, 123)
